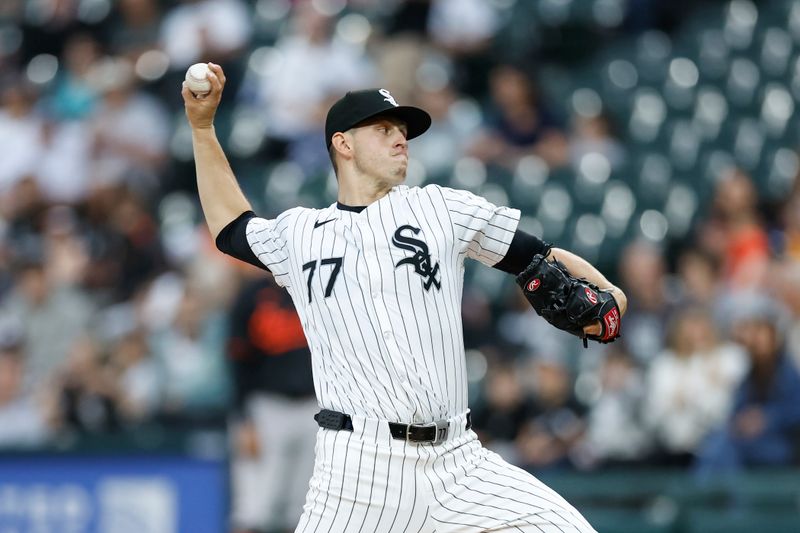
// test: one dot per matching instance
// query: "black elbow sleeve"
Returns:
(232, 240)
(520, 252)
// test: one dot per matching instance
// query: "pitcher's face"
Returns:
(381, 149)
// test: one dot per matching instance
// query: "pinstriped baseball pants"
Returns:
(365, 481)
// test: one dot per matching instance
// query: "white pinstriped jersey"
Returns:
(379, 295)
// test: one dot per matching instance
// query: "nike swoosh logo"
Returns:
(318, 223)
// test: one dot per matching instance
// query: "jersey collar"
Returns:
(354, 208)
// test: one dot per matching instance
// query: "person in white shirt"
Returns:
(690, 385)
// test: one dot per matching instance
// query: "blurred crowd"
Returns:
(117, 310)
(706, 374)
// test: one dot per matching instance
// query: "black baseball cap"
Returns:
(358, 106)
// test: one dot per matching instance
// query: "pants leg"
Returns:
(247, 509)
(475, 490)
(365, 482)
(301, 466)
(269, 492)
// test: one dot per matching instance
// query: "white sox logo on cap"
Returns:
(387, 97)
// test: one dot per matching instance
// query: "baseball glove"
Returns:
(569, 303)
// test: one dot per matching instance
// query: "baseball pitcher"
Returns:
(377, 279)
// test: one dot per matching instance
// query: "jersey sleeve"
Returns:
(483, 230)
(267, 239)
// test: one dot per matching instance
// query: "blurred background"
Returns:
(656, 138)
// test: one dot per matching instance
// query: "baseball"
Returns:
(196, 79)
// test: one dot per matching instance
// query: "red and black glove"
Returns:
(569, 303)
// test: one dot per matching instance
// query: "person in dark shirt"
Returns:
(275, 406)
(518, 124)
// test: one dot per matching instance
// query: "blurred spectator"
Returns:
(789, 246)
(462, 26)
(65, 249)
(548, 437)
(690, 386)
(191, 350)
(593, 134)
(22, 416)
(785, 283)
(20, 134)
(23, 210)
(698, 276)
(450, 132)
(615, 431)
(204, 30)
(136, 28)
(518, 123)
(502, 410)
(54, 316)
(271, 366)
(87, 399)
(130, 128)
(765, 424)
(465, 30)
(73, 97)
(140, 378)
(642, 270)
(396, 56)
(64, 169)
(123, 242)
(735, 234)
(311, 67)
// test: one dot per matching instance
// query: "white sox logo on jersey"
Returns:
(421, 258)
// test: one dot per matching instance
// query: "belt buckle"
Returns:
(442, 429)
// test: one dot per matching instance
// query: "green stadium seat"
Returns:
(619, 203)
(776, 51)
(713, 54)
(721, 91)
(555, 208)
(778, 171)
(653, 177)
(653, 52)
(741, 17)
(710, 112)
(620, 78)
(528, 180)
(742, 82)
(680, 208)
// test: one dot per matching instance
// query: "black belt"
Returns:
(434, 432)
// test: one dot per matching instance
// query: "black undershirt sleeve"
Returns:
(232, 240)
(520, 252)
